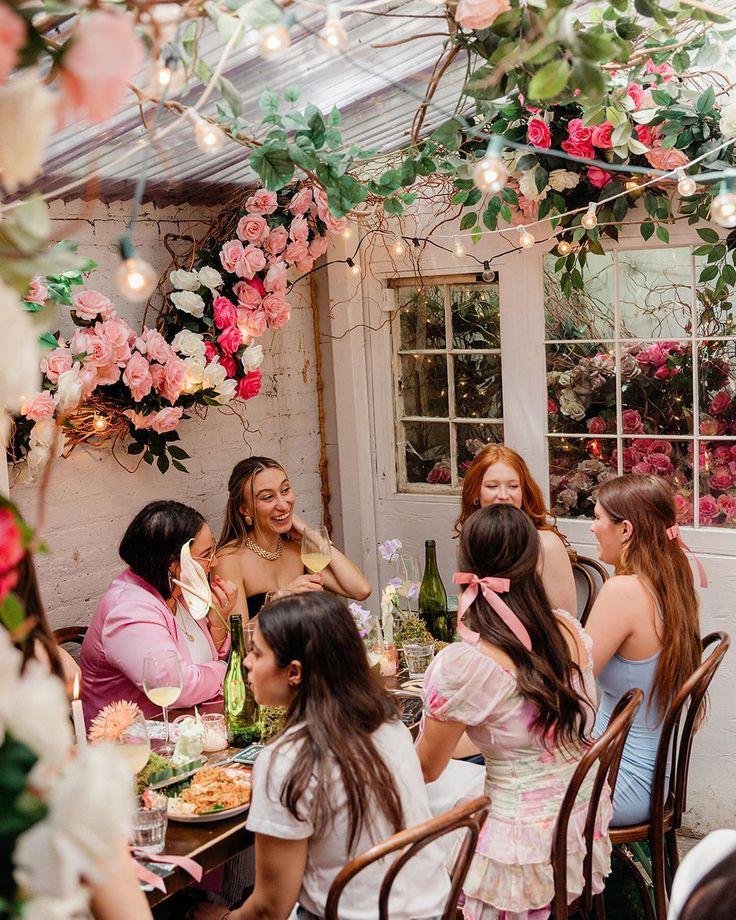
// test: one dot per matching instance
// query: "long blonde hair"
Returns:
(235, 529)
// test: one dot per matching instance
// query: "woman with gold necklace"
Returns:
(259, 548)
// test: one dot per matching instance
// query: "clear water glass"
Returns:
(149, 824)
(418, 656)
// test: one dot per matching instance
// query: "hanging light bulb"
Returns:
(135, 278)
(168, 77)
(563, 247)
(100, 423)
(590, 218)
(723, 208)
(399, 247)
(526, 239)
(686, 185)
(458, 247)
(488, 274)
(208, 137)
(333, 37)
(273, 39)
(353, 266)
(347, 232)
(489, 173)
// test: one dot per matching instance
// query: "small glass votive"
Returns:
(418, 655)
(389, 661)
(149, 823)
(215, 732)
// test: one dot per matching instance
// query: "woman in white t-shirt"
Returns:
(341, 777)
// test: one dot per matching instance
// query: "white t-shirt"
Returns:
(420, 889)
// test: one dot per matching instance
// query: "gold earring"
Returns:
(248, 521)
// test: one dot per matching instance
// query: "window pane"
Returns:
(714, 319)
(427, 451)
(475, 316)
(423, 385)
(478, 386)
(422, 318)
(577, 466)
(589, 313)
(716, 368)
(471, 439)
(581, 389)
(659, 398)
(718, 483)
(655, 293)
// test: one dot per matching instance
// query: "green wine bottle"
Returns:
(433, 597)
(241, 710)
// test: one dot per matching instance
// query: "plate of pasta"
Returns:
(212, 794)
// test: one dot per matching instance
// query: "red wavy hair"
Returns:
(532, 500)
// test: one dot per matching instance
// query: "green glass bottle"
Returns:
(241, 710)
(433, 597)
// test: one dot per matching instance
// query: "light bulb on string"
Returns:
(590, 219)
(100, 423)
(135, 278)
(563, 247)
(723, 208)
(526, 239)
(353, 266)
(208, 137)
(399, 247)
(332, 36)
(686, 185)
(168, 77)
(273, 40)
(347, 232)
(458, 247)
(489, 173)
(488, 274)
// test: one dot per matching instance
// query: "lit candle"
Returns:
(80, 729)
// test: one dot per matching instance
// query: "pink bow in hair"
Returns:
(673, 533)
(489, 586)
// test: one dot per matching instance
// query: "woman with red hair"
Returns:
(499, 476)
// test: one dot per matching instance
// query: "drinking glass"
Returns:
(134, 745)
(149, 823)
(409, 574)
(316, 548)
(162, 682)
(418, 657)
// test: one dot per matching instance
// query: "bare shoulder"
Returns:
(626, 587)
(573, 636)
(552, 545)
(229, 559)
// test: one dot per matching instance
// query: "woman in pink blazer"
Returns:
(143, 611)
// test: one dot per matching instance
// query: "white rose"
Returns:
(214, 375)
(45, 436)
(68, 390)
(252, 357)
(189, 343)
(194, 375)
(226, 390)
(188, 302)
(561, 179)
(19, 354)
(528, 186)
(38, 715)
(184, 281)
(26, 119)
(728, 120)
(209, 277)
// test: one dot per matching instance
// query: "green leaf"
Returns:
(136, 447)
(344, 194)
(447, 135)
(48, 340)
(550, 80)
(162, 463)
(231, 94)
(708, 235)
(303, 155)
(594, 46)
(317, 129)
(11, 612)
(628, 29)
(291, 94)
(179, 466)
(268, 102)
(706, 101)
(468, 220)
(709, 273)
(702, 251)
(203, 71)
(178, 452)
(661, 97)
(647, 229)
(482, 83)
(273, 165)
(663, 234)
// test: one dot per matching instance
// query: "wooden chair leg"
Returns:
(646, 901)
(673, 857)
(659, 868)
(599, 909)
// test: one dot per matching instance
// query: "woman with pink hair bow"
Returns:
(520, 683)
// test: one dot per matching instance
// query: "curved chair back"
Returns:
(469, 815)
(606, 752)
(71, 634)
(589, 574)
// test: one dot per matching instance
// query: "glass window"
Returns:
(641, 370)
(447, 367)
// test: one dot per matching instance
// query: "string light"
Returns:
(563, 247)
(686, 185)
(723, 209)
(333, 37)
(353, 266)
(135, 278)
(168, 76)
(489, 173)
(589, 219)
(347, 232)
(100, 423)
(458, 246)
(208, 137)
(398, 247)
(488, 274)
(526, 239)
(273, 40)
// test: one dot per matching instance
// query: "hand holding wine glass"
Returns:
(162, 682)
(316, 548)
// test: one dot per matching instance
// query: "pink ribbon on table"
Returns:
(673, 533)
(490, 587)
(150, 878)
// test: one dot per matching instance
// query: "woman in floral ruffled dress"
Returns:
(522, 688)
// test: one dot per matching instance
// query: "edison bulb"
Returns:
(686, 185)
(563, 247)
(210, 138)
(399, 248)
(489, 174)
(167, 78)
(99, 423)
(347, 232)
(333, 37)
(135, 279)
(723, 209)
(488, 275)
(526, 240)
(355, 269)
(458, 247)
(273, 40)
(589, 219)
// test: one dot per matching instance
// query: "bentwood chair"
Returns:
(469, 815)
(71, 635)
(669, 798)
(606, 753)
(589, 575)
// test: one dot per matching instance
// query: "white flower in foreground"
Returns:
(252, 357)
(10, 661)
(728, 120)
(210, 277)
(45, 437)
(54, 909)
(562, 179)
(19, 355)
(188, 302)
(188, 343)
(184, 281)
(68, 390)
(26, 119)
(528, 186)
(38, 715)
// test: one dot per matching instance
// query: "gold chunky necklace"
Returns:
(264, 553)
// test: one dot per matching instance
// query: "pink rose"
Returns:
(641, 98)
(41, 405)
(304, 265)
(250, 385)
(275, 280)
(225, 312)
(664, 70)
(37, 290)
(137, 376)
(721, 480)
(299, 230)
(171, 382)
(601, 135)
(230, 365)
(166, 419)
(538, 133)
(683, 510)
(103, 57)
(277, 310)
(210, 352)
(11, 542)
(106, 374)
(252, 323)
(552, 407)
(302, 201)
(720, 402)
(230, 255)
(277, 241)
(661, 464)
(89, 378)
(139, 420)
(596, 425)
(666, 158)
(318, 247)
(13, 34)
(708, 508)
(91, 304)
(439, 474)
(643, 468)
(248, 295)
(598, 177)
(723, 454)
(251, 261)
(578, 143)
(252, 228)
(229, 339)
(631, 421)
(663, 373)
(629, 457)
(479, 14)
(157, 348)
(294, 252)
(117, 334)
(56, 363)
(645, 135)
(727, 504)
(263, 202)
(708, 426)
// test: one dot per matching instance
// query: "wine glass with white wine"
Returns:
(316, 548)
(162, 682)
(134, 745)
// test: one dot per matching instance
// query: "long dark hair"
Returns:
(234, 528)
(29, 594)
(502, 541)
(714, 896)
(340, 703)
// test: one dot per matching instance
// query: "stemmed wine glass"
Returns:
(316, 548)
(134, 745)
(162, 683)
(409, 574)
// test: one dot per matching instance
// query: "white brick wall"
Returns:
(92, 499)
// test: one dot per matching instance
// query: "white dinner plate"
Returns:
(210, 816)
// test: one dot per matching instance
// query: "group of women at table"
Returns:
(520, 684)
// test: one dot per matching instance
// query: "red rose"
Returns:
(632, 422)
(229, 339)
(578, 143)
(210, 352)
(601, 135)
(598, 177)
(596, 425)
(225, 312)
(660, 463)
(538, 133)
(439, 474)
(720, 402)
(708, 508)
(645, 135)
(11, 543)
(230, 365)
(250, 385)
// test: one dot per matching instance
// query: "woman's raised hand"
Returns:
(297, 527)
(224, 594)
(302, 584)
